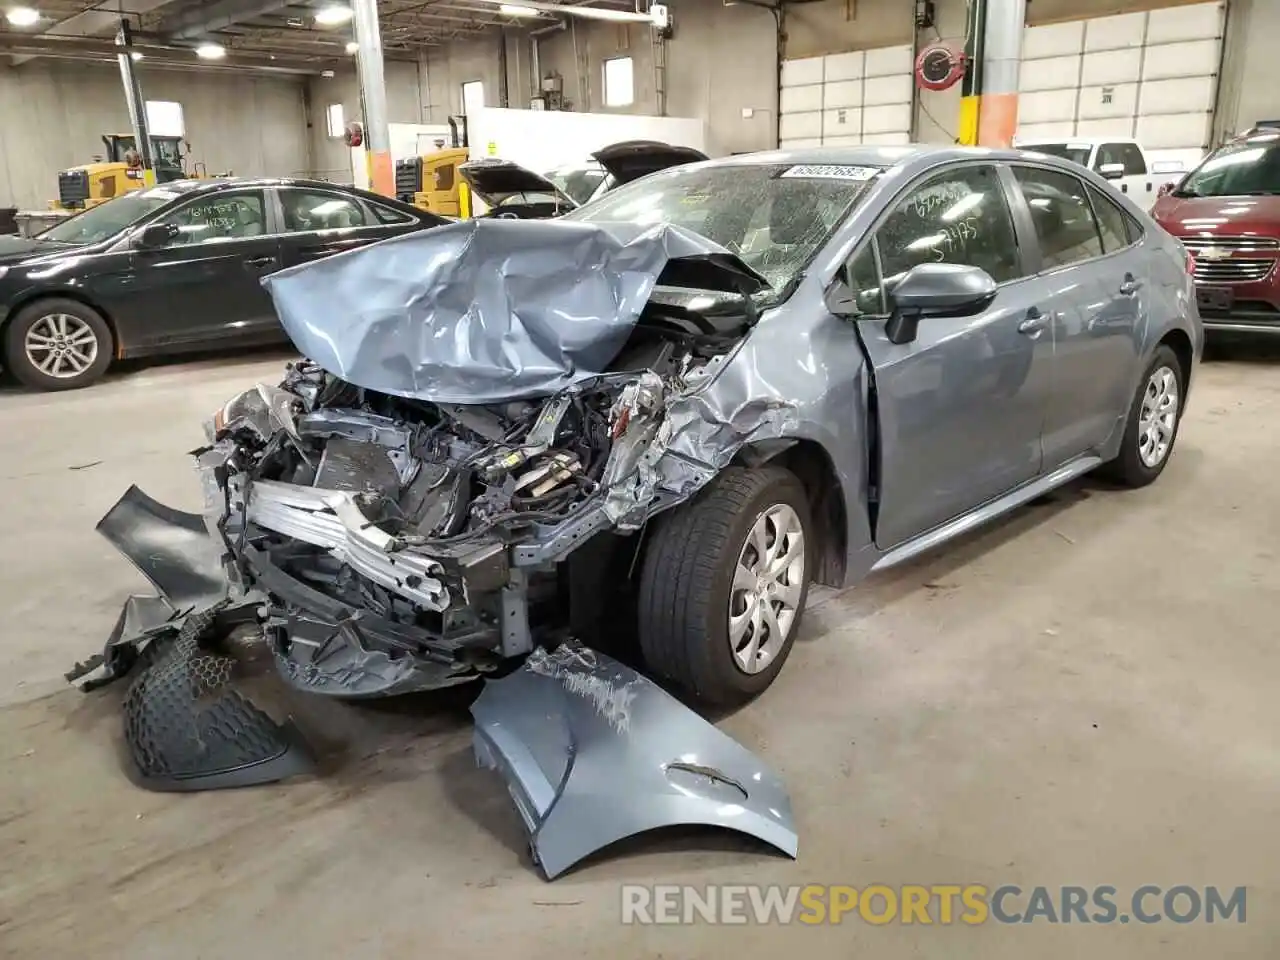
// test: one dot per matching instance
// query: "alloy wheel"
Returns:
(768, 582)
(1158, 417)
(61, 346)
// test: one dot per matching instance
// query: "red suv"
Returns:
(1226, 212)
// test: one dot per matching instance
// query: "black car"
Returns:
(173, 268)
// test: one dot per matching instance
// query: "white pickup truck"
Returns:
(1134, 171)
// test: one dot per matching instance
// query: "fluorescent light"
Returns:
(136, 55)
(515, 10)
(333, 15)
(23, 16)
(352, 47)
(211, 51)
(527, 7)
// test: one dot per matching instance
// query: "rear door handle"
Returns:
(1130, 285)
(1035, 322)
(259, 261)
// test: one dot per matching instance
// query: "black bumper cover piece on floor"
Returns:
(185, 727)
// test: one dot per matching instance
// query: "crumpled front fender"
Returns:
(592, 753)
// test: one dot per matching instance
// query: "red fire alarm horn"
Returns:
(939, 66)
(354, 135)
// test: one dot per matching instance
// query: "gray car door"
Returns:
(961, 407)
(1097, 278)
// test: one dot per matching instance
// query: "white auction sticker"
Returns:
(828, 171)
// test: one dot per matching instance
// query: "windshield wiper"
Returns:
(1258, 193)
(1186, 193)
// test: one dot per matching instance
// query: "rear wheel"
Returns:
(58, 344)
(1152, 427)
(724, 584)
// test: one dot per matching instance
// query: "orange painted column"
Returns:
(1001, 61)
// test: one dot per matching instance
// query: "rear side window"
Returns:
(1113, 225)
(1126, 154)
(388, 216)
(1062, 214)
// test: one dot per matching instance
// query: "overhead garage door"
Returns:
(1152, 76)
(846, 98)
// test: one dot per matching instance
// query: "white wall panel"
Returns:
(1152, 75)
(844, 98)
(1115, 33)
(1111, 66)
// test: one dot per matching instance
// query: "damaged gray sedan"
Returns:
(533, 451)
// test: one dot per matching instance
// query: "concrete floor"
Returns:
(1084, 694)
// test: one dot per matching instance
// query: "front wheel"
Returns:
(57, 344)
(724, 584)
(1152, 426)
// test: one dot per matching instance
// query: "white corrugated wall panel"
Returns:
(863, 96)
(1150, 75)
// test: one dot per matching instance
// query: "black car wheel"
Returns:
(1152, 426)
(58, 344)
(724, 584)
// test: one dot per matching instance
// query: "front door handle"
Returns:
(1034, 322)
(1130, 285)
(259, 261)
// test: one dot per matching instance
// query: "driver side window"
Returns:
(960, 216)
(219, 217)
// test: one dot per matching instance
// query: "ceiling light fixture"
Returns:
(658, 15)
(516, 10)
(352, 47)
(23, 16)
(333, 15)
(136, 55)
(211, 51)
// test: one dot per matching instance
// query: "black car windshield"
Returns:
(775, 216)
(1245, 168)
(107, 219)
(1075, 152)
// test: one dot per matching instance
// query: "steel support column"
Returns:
(971, 85)
(137, 106)
(373, 95)
(1001, 58)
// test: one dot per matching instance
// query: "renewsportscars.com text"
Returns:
(942, 904)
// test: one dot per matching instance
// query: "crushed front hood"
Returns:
(592, 753)
(484, 311)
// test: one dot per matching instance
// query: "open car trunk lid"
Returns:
(493, 180)
(633, 159)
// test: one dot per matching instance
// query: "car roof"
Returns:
(225, 183)
(913, 157)
(1091, 141)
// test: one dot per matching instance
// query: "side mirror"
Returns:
(1166, 189)
(1111, 171)
(156, 235)
(936, 290)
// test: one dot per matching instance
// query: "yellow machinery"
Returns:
(430, 182)
(120, 171)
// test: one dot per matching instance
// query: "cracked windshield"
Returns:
(775, 216)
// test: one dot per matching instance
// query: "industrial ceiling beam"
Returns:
(198, 21)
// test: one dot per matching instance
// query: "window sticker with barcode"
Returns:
(830, 171)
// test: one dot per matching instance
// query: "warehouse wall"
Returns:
(1247, 89)
(331, 158)
(836, 26)
(55, 114)
(721, 66)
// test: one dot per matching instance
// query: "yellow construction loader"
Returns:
(430, 182)
(119, 171)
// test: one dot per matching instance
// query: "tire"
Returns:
(687, 580)
(88, 344)
(1136, 465)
